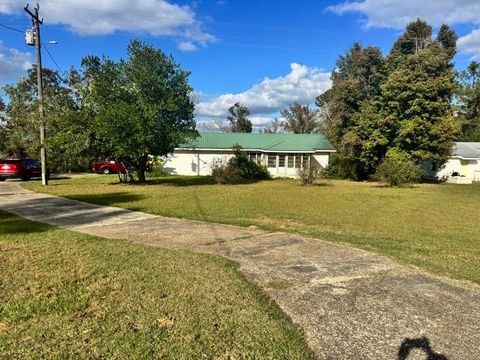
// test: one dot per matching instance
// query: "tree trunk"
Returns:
(142, 165)
(141, 175)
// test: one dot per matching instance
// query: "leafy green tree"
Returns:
(417, 36)
(364, 145)
(142, 105)
(300, 119)
(355, 80)
(75, 136)
(417, 97)
(237, 117)
(469, 102)
(407, 108)
(21, 118)
(448, 39)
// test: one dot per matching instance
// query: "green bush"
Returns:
(223, 172)
(398, 169)
(248, 169)
(311, 173)
(238, 167)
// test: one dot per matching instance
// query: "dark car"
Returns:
(20, 168)
(109, 167)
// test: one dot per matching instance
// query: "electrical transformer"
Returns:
(30, 37)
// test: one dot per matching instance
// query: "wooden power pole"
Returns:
(36, 24)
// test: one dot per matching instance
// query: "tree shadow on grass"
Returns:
(11, 224)
(192, 181)
(181, 181)
(108, 199)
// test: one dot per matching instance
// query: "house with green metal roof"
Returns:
(283, 154)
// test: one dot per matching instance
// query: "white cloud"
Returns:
(302, 85)
(396, 14)
(13, 63)
(219, 124)
(260, 122)
(470, 44)
(94, 17)
(186, 46)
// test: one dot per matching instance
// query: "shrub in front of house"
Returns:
(398, 169)
(311, 173)
(248, 169)
(238, 167)
(223, 172)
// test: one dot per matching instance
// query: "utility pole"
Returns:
(36, 23)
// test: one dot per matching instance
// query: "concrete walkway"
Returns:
(352, 304)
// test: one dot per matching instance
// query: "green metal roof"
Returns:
(265, 142)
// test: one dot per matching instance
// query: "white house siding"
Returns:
(468, 169)
(189, 162)
(183, 162)
(322, 158)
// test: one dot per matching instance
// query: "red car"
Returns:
(109, 167)
(21, 168)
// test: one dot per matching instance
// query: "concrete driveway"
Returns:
(352, 304)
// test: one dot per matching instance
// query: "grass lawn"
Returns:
(70, 295)
(435, 227)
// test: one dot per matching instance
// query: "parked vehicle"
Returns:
(109, 167)
(21, 168)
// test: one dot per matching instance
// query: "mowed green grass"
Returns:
(70, 295)
(433, 226)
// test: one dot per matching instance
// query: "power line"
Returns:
(51, 57)
(11, 28)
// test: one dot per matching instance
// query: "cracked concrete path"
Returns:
(352, 304)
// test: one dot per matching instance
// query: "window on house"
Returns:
(260, 159)
(256, 158)
(272, 160)
(298, 161)
(307, 160)
(290, 160)
(281, 160)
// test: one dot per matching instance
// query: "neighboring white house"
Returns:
(283, 154)
(463, 166)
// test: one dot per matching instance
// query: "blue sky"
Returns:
(265, 54)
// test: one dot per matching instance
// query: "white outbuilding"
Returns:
(463, 165)
(283, 154)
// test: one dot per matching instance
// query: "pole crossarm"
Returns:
(34, 16)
